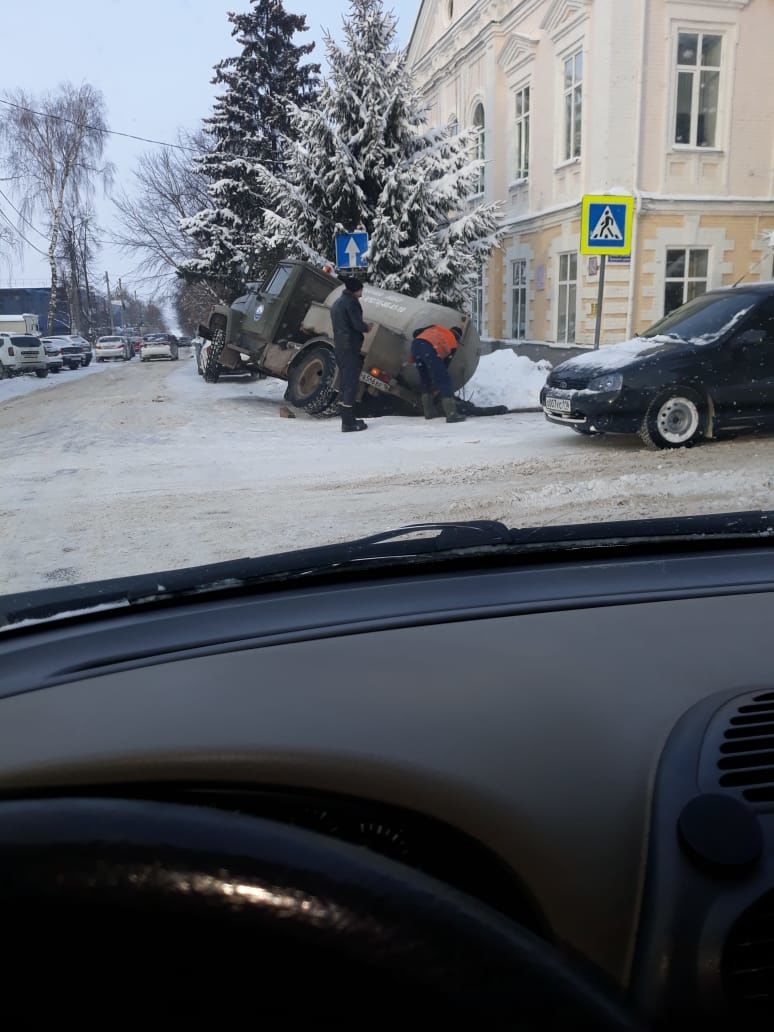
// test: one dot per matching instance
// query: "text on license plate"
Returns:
(557, 404)
(380, 384)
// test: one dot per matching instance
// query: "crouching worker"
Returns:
(432, 349)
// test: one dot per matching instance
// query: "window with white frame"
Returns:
(519, 299)
(521, 137)
(573, 105)
(477, 306)
(698, 88)
(686, 275)
(479, 124)
(568, 297)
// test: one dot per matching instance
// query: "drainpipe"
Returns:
(637, 160)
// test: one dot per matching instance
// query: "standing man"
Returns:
(433, 348)
(348, 330)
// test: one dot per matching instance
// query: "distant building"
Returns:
(15, 300)
(671, 101)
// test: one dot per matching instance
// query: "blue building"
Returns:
(18, 300)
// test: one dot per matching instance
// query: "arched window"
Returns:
(479, 124)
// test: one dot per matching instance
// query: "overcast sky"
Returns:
(153, 61)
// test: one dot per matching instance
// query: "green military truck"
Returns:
(284, 330)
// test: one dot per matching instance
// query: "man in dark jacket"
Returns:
(348, 330)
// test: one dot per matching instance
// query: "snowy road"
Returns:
(146, 467)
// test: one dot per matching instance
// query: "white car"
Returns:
(110, 347)
(159, 348)
(53, 350)
(22, 353)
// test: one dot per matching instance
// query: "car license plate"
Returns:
(374, 381)
(557, 404)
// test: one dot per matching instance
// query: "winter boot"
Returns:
(428, 406)
(349, 424)
(449, 406)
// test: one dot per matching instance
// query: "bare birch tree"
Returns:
(54, 148)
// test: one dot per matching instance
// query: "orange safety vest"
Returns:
(443, 341)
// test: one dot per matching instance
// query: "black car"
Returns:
(707, 366)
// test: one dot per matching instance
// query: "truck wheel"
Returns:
(212, 365)
(312, 380)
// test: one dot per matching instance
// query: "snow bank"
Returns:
(505, 378)
(18, 386)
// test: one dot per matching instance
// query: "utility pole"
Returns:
(110, 305)
(123, 309)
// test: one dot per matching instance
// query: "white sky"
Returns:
(153, 61)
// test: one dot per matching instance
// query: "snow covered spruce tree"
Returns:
(250, 122)
(364, 155)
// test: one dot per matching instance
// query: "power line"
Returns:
(98, 128)
(16, 229)
(22, 217)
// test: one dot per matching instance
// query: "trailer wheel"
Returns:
(313, 381)
(212, 366)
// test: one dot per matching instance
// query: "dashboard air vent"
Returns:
(745, 762)
(748, 962)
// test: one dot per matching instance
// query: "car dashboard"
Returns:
(586, 745)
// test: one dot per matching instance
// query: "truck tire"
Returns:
(212, 366)
(313, 381)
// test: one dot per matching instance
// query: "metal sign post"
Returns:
(600, 298)
(606, 229)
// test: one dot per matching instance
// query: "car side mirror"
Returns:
(750, 338)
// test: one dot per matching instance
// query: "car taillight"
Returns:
(11, 352)
(384, 377)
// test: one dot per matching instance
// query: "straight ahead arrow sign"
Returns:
(353, 253)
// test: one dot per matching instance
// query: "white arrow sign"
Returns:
(353, 253)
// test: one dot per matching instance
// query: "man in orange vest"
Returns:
(433, 348)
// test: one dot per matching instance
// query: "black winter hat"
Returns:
(353, 284)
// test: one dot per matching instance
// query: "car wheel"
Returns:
(675, 419)
(41, 373)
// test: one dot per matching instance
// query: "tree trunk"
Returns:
(54, 271)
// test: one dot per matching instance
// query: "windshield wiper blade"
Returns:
(416, 544)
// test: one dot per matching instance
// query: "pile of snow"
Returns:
(505, 378)
(18, 386)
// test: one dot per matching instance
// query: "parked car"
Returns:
(22, 353)
(72, 353)
(80, 342)
(161, 347)
(707, 366)
(53, 351)
(111, 347)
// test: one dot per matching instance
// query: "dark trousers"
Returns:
(432, 369)
(349, 362)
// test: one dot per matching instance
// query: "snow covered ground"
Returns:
(146, 467)
(19, 386)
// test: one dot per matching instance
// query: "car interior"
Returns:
(493, 786)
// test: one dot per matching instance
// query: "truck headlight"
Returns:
(610, 383)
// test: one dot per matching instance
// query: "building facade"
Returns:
(670, 101)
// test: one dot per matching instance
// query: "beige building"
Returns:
(671, 101)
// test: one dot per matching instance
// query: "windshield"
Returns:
(438, 262)
(707, 317)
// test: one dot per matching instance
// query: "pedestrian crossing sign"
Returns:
(606, 224)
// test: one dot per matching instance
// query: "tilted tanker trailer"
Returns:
(284, 330)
